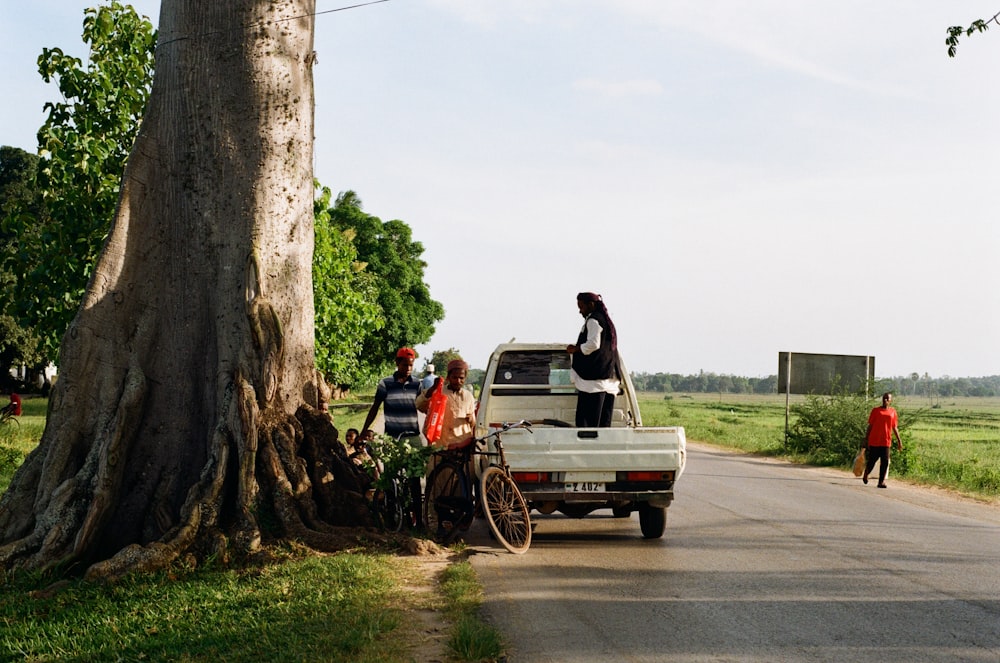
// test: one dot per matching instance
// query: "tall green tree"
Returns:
(395, 260)
(18, 347)
(84, 144)
(17, 181)
(346, 301)
(19, 195)
(440, 359)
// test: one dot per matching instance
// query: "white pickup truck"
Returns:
(558, 467)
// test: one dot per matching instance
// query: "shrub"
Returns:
(829, 429)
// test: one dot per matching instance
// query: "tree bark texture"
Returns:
(173, 425)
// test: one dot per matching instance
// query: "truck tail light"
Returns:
(646, 476)
(531, 477)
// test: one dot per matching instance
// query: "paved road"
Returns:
(761, 561)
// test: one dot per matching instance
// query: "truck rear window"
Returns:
(535, 367)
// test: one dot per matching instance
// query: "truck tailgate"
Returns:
(596, 449)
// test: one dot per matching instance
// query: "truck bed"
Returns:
(596, 449)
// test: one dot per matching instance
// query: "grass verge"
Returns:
(303, 608)
(471, 638)
(19, 436)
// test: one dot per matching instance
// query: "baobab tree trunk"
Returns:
(172, 426)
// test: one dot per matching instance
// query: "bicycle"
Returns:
(391, 500)
(450, 504)
(389, 506)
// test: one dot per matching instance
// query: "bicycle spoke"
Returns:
(506, 510)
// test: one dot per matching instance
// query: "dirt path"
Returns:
(427, 627)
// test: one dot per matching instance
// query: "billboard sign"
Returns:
(807, 373)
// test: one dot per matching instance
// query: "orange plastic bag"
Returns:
(859, 463)
(435, 414)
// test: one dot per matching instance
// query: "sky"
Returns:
(736, 179)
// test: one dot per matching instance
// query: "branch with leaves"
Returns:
(401, 459)
(956, 31)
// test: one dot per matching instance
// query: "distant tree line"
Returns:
(910, 385)
(945, 387)
(707, 383)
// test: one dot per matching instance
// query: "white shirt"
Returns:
(592, 344)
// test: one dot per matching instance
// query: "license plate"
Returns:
(584, 487)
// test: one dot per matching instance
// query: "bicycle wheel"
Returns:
(505, 510)
(445, 486)
(389, 508)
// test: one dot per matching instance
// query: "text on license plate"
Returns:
(584, 487)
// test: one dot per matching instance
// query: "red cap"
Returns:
(406, 353)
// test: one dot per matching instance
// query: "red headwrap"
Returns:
(457, 364)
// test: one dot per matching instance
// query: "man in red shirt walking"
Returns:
(883, 424)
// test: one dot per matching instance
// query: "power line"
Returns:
(279, 20)
(340, 9)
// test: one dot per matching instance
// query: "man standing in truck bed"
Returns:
(593, 367)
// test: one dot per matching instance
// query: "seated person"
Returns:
(360, 451)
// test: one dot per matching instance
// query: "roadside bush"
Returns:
(829, 429)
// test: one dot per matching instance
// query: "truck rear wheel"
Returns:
(652, 520)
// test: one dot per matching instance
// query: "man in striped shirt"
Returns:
(398, 394)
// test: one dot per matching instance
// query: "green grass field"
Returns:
(20, 436)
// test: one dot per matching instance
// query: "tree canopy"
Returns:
(394, 259)
(84, 143)
(17, 181)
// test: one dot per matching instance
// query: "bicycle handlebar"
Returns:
(524, 423)
(470, 448)
(506, 426)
